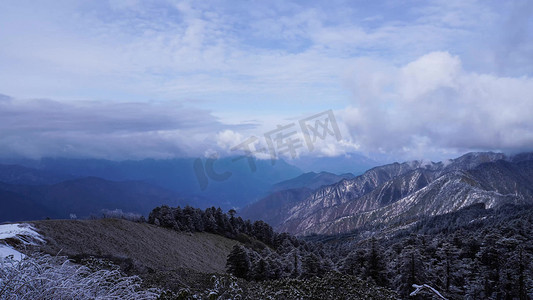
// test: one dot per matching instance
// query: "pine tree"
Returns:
(353, 263)
(447, 267)
(263, 232)
(238, 262)
(410, 270)
(375, 267)
(261, 270)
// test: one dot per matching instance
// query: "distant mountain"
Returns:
(285, 194)
(354, 163)
(83, 197)
(243, 184)
(15, 174)
(411, 190)
(17, 207)
(311, 180)
(274, 207)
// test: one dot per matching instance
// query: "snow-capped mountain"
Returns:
(406, 191)
(310, 180)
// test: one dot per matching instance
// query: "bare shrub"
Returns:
(40, 276)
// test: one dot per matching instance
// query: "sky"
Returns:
(126, 79)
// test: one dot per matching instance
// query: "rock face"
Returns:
(407, 191)
(274, 207)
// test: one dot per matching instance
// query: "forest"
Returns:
(474, 253)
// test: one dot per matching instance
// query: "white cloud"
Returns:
(432, 106)
(257, 60)
(194, 49)
(36, 128)
(432, 71)
(228, 139)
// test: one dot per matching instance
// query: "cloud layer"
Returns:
(38, 127)
(433, 105)
(134, 79)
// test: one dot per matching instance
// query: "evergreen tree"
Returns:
(263, 232)
(238, 262)
(447, 267)
(311, 266)
(354, 263)
(375, 267)
(261, 270)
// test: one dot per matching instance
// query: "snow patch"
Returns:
(6, 251)
(23, 233)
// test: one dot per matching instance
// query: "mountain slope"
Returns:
(143, 246)
(273, 208)
(310, 180)
(410, 190)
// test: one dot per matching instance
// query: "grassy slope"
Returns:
(145, 246)
(171, 260)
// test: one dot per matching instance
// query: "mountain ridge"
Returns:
(242, 186)
(349, 204)
(82, 197)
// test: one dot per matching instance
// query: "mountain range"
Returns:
(58, 187)
(402, 193)
(308, 203)
(183, 175)
(81, 197)
(283, 194)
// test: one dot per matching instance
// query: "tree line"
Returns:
(263, 254)
(474, 253)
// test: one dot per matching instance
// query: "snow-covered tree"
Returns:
(39, 276)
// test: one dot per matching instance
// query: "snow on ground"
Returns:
(6, 251)
(24, 233)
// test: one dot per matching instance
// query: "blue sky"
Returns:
(406, 79)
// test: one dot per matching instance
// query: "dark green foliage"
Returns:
(376, 269)
(212, 220)
(311, 266)
(267, 255)
(329, 286)
(238, 262)
(473, 253)
(261, 271)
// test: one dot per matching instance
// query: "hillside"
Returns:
(181, 264)
(274, 207)
(142, 246)
(411, 190)
(285, 194)
(471, 253)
